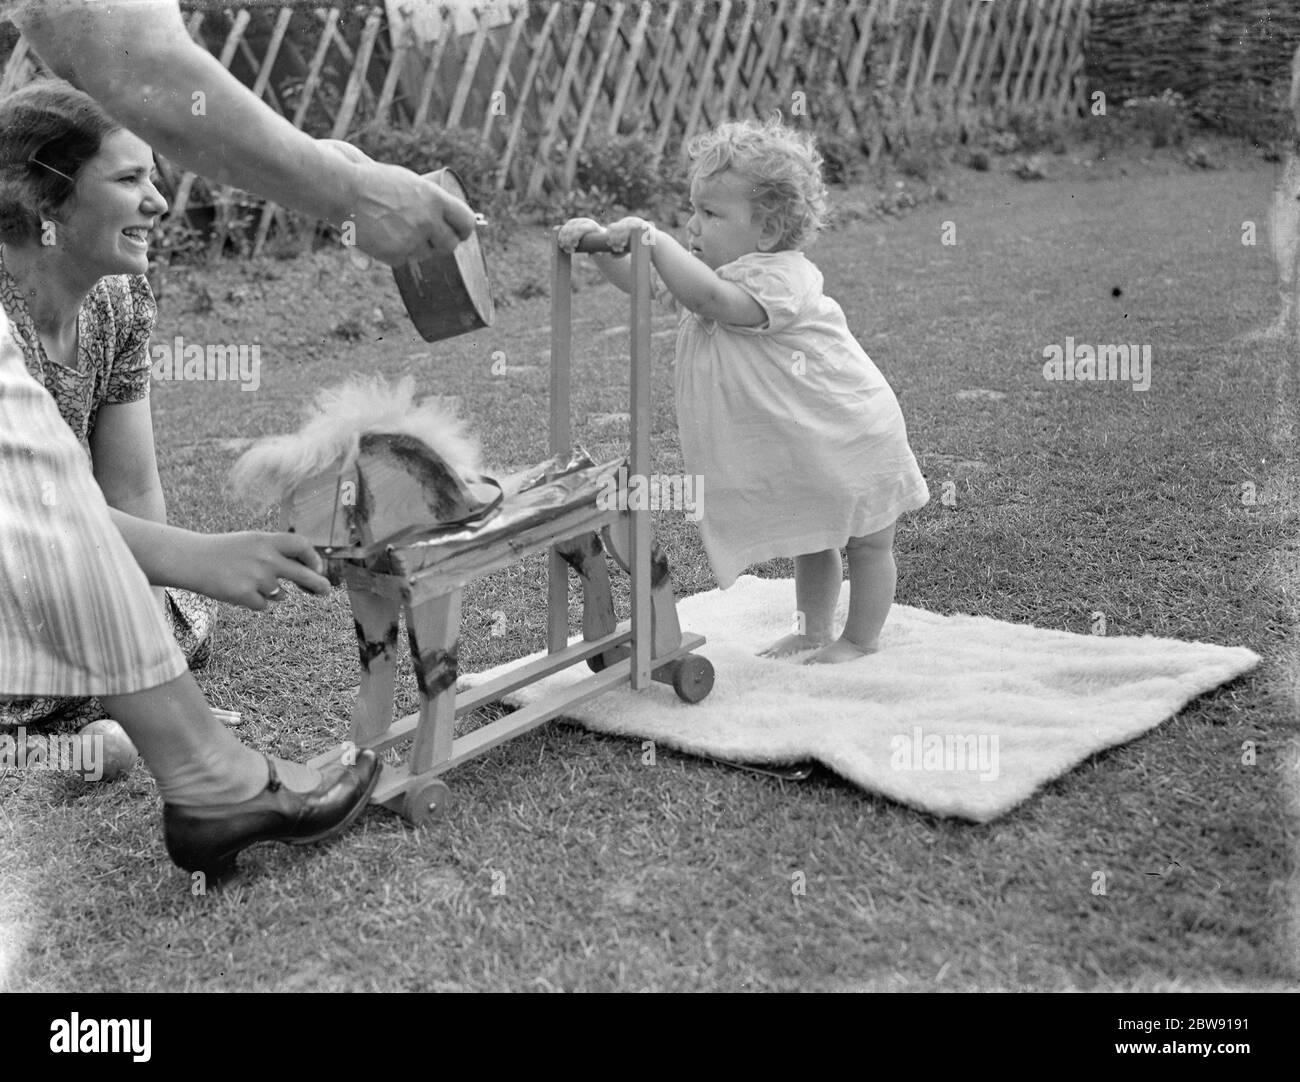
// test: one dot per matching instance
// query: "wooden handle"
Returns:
(598, 241)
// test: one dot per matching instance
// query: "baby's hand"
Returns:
(621, 232)
(572, 232)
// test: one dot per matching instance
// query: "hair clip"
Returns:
(51, 168)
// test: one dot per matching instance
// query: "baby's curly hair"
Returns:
(784, 166)
(48, 131)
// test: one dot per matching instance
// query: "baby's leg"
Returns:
(873, 575)
(817, 579)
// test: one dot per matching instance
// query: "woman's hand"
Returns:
(405, 216)
(572, 232)
(113, 51)
(402, 216)
(246, 568)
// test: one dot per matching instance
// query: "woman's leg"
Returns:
(195, 759)
(190, 617)
(873, 577)
(77, 618)
(817, 579)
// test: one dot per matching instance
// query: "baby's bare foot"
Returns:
(840, 650)
(793, 644)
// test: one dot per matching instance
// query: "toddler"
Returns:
(800, 438)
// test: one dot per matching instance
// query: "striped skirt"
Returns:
(77, 616)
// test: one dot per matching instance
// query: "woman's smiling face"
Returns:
(105, 225)
(722, 226)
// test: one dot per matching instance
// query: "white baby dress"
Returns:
(799, 438)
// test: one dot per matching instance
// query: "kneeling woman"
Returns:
(76, 615)
(76, 206)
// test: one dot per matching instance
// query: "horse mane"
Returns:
(273, 467)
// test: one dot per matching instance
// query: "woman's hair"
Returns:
(783, 165)
(48, 131)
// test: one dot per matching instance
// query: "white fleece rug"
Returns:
(957, 715)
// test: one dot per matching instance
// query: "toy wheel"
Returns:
(596, 663)
(427, 802)
(693, 678)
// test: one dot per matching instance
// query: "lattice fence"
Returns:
(540, 81)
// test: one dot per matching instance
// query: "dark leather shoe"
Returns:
(207, 839)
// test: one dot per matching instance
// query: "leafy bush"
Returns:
(619, 175)
(623, 169)
(177, 241)
(432, 146)
(1036, 132)
(842, 156)
(1165, 118)
(916, 164)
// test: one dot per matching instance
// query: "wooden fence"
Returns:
(539, 81)
(1230, 59)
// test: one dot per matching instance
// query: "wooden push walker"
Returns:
(562, 506)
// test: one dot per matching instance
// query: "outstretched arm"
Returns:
(689, 280)
(239, 568)
(615, 268)
(136, 58)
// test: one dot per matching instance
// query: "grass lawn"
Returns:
(565, 862)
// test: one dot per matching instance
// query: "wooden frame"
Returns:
(423, 580)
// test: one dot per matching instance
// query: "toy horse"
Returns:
(393, 495)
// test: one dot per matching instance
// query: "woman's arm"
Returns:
(125, 464)
(241, 568)
(124, 460)
(136, 58)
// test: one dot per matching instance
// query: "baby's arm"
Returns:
(688, 279)
(615, 268)
(694, 284)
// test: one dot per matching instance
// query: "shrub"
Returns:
(622, 169)
(619, 175)
(177, 241)
(432, 146)
(1035, 132)
(1164, 118)
(842, 156)
(916, 164)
